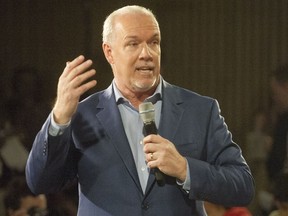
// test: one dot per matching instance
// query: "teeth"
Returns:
(144, 69)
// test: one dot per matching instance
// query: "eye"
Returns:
(155, 42)
(133, 43)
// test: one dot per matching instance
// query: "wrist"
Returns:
(60, 118)
(183, 170)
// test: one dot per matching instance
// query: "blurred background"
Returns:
(225, 49)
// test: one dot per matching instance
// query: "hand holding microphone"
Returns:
(161, 154)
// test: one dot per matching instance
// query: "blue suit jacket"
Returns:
(95, 149)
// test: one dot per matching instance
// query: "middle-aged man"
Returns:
(100, 140)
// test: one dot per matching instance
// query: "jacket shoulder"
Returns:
(187, 95)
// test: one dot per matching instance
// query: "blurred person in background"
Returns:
(258, 144)
(280, 194)
(219, 210)
(277, 159)
(27, 105)
(24, 111)
(20, 201)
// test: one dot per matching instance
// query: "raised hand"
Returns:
(71, 85)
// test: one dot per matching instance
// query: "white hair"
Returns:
(108, 25)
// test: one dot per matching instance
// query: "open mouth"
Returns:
(145, 69)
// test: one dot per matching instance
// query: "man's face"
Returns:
(134, 53)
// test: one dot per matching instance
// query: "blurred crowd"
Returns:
(267, 149)
(24, 109)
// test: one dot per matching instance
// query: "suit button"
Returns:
(45, 148)
(145, 206)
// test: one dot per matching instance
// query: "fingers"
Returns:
(78, 80)
(76, 67)
(73, 82)
(86, 86)
(77, 72)
(151, 156)
(162, 154)
(74, 63)
(154, 149)
(151, 143)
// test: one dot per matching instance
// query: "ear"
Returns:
(108, 52)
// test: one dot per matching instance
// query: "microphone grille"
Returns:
(147, 112)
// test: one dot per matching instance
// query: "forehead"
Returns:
(136, 25)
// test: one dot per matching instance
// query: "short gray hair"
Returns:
(108, 25)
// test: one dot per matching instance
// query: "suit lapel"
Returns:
(110, 118)
(172, 112)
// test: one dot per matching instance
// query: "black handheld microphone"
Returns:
(147, 113)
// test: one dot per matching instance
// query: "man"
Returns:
(100, 140)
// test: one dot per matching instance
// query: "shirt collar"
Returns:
(120, 99)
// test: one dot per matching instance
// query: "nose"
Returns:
(145, 52)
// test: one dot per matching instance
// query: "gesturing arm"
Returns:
(51, 162)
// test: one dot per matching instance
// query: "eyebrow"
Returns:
(157, 35)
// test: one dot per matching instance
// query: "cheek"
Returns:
(125, 61)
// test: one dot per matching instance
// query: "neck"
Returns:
(136, 96)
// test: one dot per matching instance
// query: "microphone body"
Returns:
(147, 113)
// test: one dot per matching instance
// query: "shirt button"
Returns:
(143, 168)
(141, 142)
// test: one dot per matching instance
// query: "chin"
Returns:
(144, 86)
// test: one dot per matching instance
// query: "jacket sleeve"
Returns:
(223, 177)
(51, 162)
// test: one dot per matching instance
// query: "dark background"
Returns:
(221, 48)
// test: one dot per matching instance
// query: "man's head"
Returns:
(279, 87)
(131, 44)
